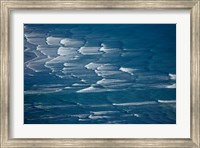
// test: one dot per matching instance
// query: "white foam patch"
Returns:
(128, 70)
(167, 101)
(171, 86)
(92, 89)
(72, 42)
(92, 66)
(136, 115)
(48, 50)
(135, 103)
(52, 106)
(103, 67)
(71, 64)
(78, 84)
(29, 74)
(81, 116)
(106, 73)
(84, 119)
(37, 66)
(99, 117)
(49, 85)
(83, 81)
(34, 35)
(37, 41)
(172, 76)
(53, 40)
(104, 112)
(43, 91)
(107, 50)
(60, 59)
(105, 70)
(67, 51)
(90, 51)
(114, 84)
(68, 87)
(110, 81)
(27, 49)
(103, 45)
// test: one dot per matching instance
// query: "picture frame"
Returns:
(194, 7)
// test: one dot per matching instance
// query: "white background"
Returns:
(179, 130)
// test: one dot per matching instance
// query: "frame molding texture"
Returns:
(6, 6)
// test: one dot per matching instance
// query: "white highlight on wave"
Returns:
(166, 101)
(110, 81)
(52, 106)
(92, 89)
(89, 51)
(53, 40)
(67, 50)
(43, 91)
(135, 103)
(72, 42)
(168, 86)
(47, 50)
(128, 70)
(92, 66)
(49, 85)
(104, 112)
(77, 84)
(136, 115)
(99, 117)
(172, 76)
(144, 103)
(171, 86)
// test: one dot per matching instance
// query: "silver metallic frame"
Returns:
(6, 6)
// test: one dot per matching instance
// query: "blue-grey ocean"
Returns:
(100, 74)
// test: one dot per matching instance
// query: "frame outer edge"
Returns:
(0, 77)
(101, 4)
(4, 75)
(4, 90)
(195, 73)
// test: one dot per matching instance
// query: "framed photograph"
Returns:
(100, 74)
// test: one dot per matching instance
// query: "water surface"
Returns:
(99, 73)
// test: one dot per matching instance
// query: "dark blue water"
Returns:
(100, 74)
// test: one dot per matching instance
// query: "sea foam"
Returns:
(135, 103)
(128, 70)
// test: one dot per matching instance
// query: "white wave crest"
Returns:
(52, 106)
(172, 76)
(110, 81)
(92, 89)
(92, 66)
(89, 50)
(99, 117)
(135, 103)
(136, 115)
(128, 70)
(37, 40)
(67, 51)
(43, 91)
(53, 40)
(167, 101)
(72, 42)
(171, 86)
(48, 50)
(77, 84)
(104, 112)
